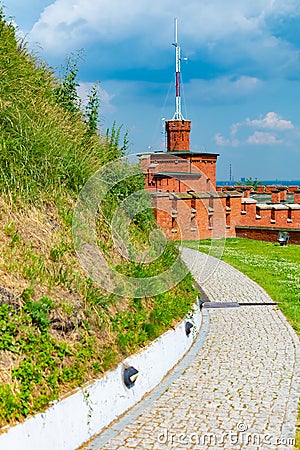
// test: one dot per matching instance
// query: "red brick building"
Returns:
(189, 205)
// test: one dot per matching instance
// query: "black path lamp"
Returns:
(188, 328)
(130, 375)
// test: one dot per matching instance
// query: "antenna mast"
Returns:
(178, 115)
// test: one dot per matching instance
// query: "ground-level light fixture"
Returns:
(201, 302)
(130, 375)
(188, 328)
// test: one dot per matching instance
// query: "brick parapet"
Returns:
(292, 189)
(275, 196)
(283, 192)
(269, 189)
(260, 189)
(246, 192)
(297, 196)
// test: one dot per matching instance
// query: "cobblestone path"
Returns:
(241, 390)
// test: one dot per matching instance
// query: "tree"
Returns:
(113, 140)
(92, 110)
(66, 93)
(250, 182)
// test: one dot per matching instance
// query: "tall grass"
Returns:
(44, 148)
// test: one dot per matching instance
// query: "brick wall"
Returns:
(218, 217)
(198, 211)
(203, 166)
(267, 234)
(207, 166)
(279, 215)
(193, 218)
(233, 214)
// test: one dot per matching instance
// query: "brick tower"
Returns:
(178, 135)
(182, 182)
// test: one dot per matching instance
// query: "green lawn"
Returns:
(275, 268)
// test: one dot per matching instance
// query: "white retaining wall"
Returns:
(75, 419)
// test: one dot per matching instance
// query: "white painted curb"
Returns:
(75, 419)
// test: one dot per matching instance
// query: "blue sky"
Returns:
(241, 83)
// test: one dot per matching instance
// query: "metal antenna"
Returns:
(178, 115)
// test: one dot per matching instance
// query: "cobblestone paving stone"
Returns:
(242, 390)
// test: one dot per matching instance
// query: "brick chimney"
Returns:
(276, 196)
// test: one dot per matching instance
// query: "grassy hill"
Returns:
(58, 329)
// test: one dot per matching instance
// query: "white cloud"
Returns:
(74, 22)
(241, 134)
(259, 138)
(271, 121)
(223, 142)
(220, 140)
(225, 28)
(234, 129)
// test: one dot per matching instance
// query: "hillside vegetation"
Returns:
(58, 329)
